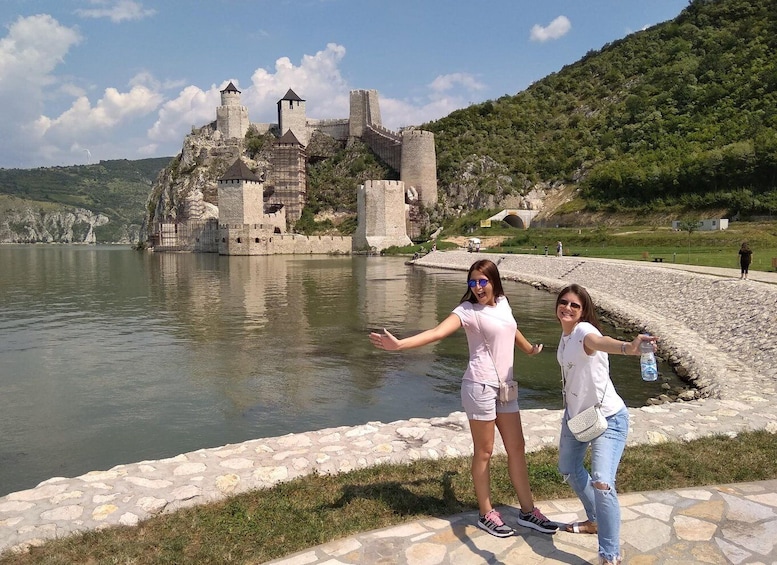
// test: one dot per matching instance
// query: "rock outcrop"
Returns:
(187, 189)
(69, 225)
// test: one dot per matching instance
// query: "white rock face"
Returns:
(27, 225)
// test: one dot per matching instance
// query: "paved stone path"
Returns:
(720, 332)
(713, 525)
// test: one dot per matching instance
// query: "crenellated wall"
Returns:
(258, 240)
(336, 128)
(385, 144)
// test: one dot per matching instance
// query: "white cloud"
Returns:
(192, 107)
(317, 80)
(82, 119)
(557, 28)
(444, 83)
(117, 10)
(32, 49)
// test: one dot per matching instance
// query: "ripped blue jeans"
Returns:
(601, 504)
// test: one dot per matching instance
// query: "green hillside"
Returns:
(683, 113)
(117, 189)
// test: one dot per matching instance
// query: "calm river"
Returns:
(110, 356)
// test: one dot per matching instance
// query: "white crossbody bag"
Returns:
(590, 423)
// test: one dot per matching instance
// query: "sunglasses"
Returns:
(479, 282)
(573, 305)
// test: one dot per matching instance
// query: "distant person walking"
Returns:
(745, 257)
(559, 250)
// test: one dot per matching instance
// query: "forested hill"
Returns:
(117, 189)
(683, 113)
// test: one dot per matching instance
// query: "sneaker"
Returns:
(537, 521)
(493, 524)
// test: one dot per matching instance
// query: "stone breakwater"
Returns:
(719, 332)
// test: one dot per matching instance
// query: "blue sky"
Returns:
(85, 80)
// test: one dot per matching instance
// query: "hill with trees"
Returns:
(116, 189)
(683, 114)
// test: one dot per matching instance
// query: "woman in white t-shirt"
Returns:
(585, 369)
(492, 335)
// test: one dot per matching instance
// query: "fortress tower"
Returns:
(240, 196)
(364, 111)
(291, 116)
(380, 206)
(231, 117)
(418, 168)
(289, 175)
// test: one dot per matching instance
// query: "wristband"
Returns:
(623, 348)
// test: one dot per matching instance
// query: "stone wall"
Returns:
(259, 239)
(386, 144)
(336, 129)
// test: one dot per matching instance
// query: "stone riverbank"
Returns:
(720, 333)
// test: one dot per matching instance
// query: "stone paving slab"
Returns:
(716, 525)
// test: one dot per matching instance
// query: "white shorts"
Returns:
(480, 401)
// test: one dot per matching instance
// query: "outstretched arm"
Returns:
(388, 342)
(593, 342)
(524, 345)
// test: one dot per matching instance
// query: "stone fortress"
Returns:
(254, 212)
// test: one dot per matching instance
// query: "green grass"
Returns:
(643, 243)
(253, 527)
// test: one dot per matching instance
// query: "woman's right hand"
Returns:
(384, 340)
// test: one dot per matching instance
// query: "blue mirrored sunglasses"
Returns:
(479, 282)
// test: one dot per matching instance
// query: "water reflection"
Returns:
(111, 356)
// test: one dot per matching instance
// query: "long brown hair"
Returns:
(490, 270)
(588, 312)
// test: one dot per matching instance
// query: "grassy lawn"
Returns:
(267, 524)
(636, 243)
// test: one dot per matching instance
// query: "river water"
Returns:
(110, 356)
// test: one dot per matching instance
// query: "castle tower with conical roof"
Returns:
(231, 117)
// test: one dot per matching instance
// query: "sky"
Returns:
(89, 80)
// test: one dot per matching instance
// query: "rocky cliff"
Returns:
(187, 189)
(76, 225)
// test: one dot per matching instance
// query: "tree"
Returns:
(690, 226)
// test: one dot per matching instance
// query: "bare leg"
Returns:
(483, 441)
(510, 429)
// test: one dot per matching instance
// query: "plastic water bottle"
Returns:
(647, 361)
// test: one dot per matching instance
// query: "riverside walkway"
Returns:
(720, 331)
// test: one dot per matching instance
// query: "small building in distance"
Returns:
(705, 225)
